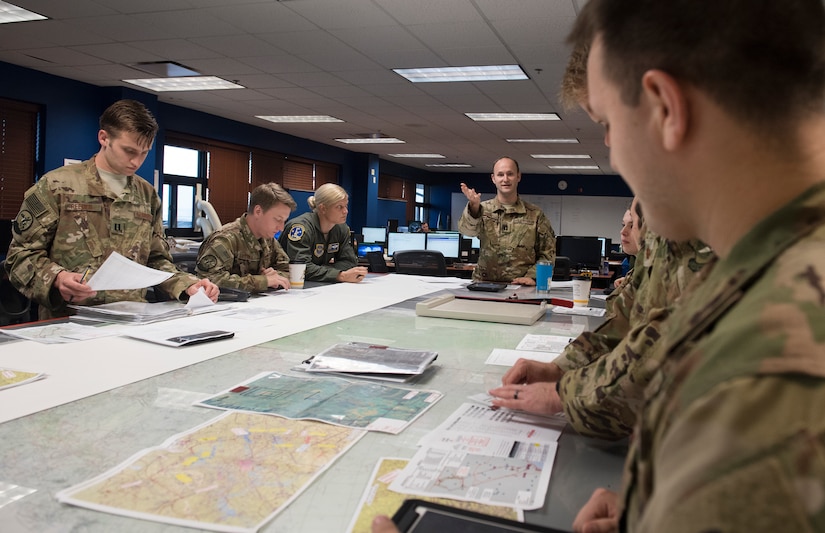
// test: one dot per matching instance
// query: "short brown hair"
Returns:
(129, 116)
(761, 60)
(268, 195)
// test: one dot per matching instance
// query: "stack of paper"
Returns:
(360, 359)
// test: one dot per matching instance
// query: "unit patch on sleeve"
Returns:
(23, 221)
(296, 232)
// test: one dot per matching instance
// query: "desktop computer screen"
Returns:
(449, 244)
(372, 234)
(405, 241)
(363, 248)
(584, 252)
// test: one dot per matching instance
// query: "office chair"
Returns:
(186, 261)
(561, 269)
(377, 263)
(420, 262)
(14, 307)
(208, 221)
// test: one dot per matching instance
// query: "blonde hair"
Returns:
(327, 194)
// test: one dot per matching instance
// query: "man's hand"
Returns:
(530, 371)
(539, 398)
(211, 290)
(524, 281)
(71, 289)
(600, 514)
(353, 275)
(274, 279)
(473, 198)
(383, 524)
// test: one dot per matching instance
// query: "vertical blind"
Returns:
(18, 142)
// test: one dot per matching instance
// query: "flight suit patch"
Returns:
(319, 250)
(296, 232)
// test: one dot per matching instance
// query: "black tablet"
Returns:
(421, 516)
(486, 286)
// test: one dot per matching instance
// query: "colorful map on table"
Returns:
(378, 499)
(233, 473)
(11, 378)
(355, 404)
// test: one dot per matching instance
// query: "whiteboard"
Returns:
(584, 216)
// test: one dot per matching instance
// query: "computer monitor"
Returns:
(363, 248)
(449, 244)
(397, 241)
(584, 252)
(476, 242)
(373, 234)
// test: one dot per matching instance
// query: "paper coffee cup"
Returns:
(581, 291)
(544, 275)
(297, 271)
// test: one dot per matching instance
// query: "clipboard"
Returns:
(484, 310)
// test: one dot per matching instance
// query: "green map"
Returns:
(362, 405)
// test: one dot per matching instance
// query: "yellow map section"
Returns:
(10, 378)
(234, 472)
(380, 500)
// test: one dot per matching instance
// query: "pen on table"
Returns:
(85, 274)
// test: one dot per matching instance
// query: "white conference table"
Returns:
(54, 448)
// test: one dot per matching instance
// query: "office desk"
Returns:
(59, 447)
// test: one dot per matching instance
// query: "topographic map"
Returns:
(378, 499)
(333, 400)
(233, 473)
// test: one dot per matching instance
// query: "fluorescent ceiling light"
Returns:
(371, 140)
(187, 83)
(449, 165)
(482, 117)
(574, 167)
(298, 118)
(420, 156)
(480, 73)
(560, 156)
(568, 141)
(12, 13)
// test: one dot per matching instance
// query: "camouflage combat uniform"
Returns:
(606, 371)
(233, 257)
(71, 220)
(302, 238)
(513, 238)
(732, 436)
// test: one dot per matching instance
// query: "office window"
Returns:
(184, 175)
(422, 208)
(19, 135)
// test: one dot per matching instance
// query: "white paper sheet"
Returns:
(503, 357)
(544, 343)
(119, 273)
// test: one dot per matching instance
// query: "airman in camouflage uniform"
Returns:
(72, 219)
(514, 234)
(606, 371)
(731, 436)
(244, 253)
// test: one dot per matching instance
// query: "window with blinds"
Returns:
(18, 153)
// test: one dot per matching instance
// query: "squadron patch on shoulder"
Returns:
(208, 262)
(333, 247)
(296, 232)
(319, 250)
(23, 221)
